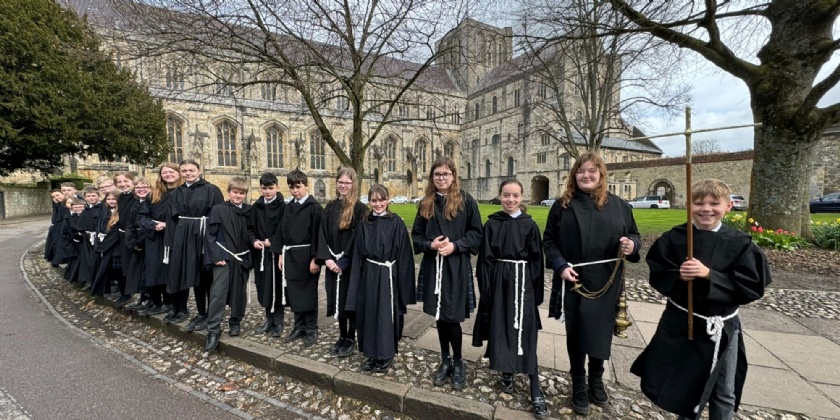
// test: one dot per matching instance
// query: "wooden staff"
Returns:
(689, 225)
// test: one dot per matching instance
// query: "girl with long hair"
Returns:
(107, 245)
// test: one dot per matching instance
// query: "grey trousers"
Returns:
(218, 300)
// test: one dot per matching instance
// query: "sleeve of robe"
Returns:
(473, 232)
(213, 253)
(315, 229)
(632, 233)
(535, 253)
(422, 245)
(485, 264)
(355, 274)
(554, 259)
(277, 240)
(322, 252)
(171, 220)
(407, 281)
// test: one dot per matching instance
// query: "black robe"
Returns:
(109, 250)
(87, 225)
(457, 297)
(578, 234)
(227, 234)
(332, 240)
(675, 371)
(379, 296)
(185, 230)
(155, 272)
(53, 247)
(125, 205)
(134, 241)
(263, 222)
(299, 226)
(515, 239)
(71, 241)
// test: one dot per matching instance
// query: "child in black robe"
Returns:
(135, 241)
(228, 249)
(107, 245)
(53, 251)
(335, 249)
(510, 279)
(87, 225)
(265, 217)
(296, 240)
(728, 270)
(72, 239)
(381, 285)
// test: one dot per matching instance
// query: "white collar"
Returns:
(303, 199)
(517, 214)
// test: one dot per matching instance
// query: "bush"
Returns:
(827, 235)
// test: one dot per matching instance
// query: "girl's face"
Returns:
(141, 191)
(587, 177)
(124, 184)
(378, 203)
(442, 177)
(511, 197)
(169, 175)
(190, 172)
(344, 184)
(69, 204)
(106, 186)
(111, 201)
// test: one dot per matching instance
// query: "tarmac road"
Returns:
(50, 371)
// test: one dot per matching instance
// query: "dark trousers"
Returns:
(306, 321)
(275, 318)
(179, 301)
(156, 294)
(577, 358)
(202, 291)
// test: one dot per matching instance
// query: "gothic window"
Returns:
(542, 91)
(476, 110)
(449, 150)
(403, 110)
(175, 130)
(268, 92)
(342, 103)
(226, 143)
(567, 161)
(391, 155)
(578, 119)
(469, 170)
(545, 139)
(430, 112)
(222, 88)
(487, 168)
(421, 156)
(497, 138)
(495, 105)
(274, 147)
(317, 157)
(320, 190)
(516, 97)
(174, 77)
(541, 157)
(510, 167)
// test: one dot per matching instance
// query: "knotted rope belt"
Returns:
(274, 289)
(390, 265)
(337, 279)
(438, 282)
(262, 268)
(202, 228)
(518, 298)
(238, 257)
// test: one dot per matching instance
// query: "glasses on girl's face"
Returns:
(442, 175)
(345, 183)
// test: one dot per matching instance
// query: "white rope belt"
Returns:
(237, 256)
(390, 265)
(92, 236)
(337, 279)
(262, 268)
(519, 298)
(121, 230)
(438, 282)
(714, 328)
(563, 289)
(274, 289)
(203, 225)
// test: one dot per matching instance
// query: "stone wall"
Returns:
(19, 201)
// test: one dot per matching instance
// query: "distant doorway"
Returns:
(664, 188)
(539, 189)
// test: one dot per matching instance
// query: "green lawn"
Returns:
(649, 221)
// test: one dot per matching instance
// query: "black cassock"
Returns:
(134, 241)
(299, 226)
(53, 247)
(227, 240)
(263, 224)
(125, 205)
(510, 292)
(579, 234)
(457, 298)
(87, 225)
(377, 294)
(109, 250)
(155, 272)
(675, 372)
(185, 230)
(333, 241)
(71, 241)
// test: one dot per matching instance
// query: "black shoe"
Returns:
(168, 318)
(580, 399)
(179, 318)
(266, 326)
(346, 348)
(335, 347)
(136, 306)
(122, 301)
(370, 362)
(277, 331)
(597, 391)
(382, 365)
(202, 325)
(154, 310)
(295, 335)
(212, 342)
(506, 383)
(167, 307)
(459, 375)
(310, 339)
(235, 330)
(194, 323)
(86, 286)
(540, 408)
(443, 372)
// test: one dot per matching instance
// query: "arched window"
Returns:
(274, 147)
(449, 149)
(391, 155)
(476, 110)
(175, 130)
(317, 158)
(487, 168)
(510, 167)
(320, 190)
(495, 104)
(422, 160)
(226, 143)
(567, 161)
(174, 77)
(469, 170)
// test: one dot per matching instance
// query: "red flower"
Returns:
(779, 231)
(787, 233)
(760, 230)
(753, 228)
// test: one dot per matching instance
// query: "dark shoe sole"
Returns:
(600, 403)
(583, 411)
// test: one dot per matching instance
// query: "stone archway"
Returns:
(665, 188)
(539, 189)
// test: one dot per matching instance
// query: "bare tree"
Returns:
(591, 80)
(705, 147)
(782, 80)
(369, 60)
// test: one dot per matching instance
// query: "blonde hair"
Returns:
(102, 179)
(711, 187)
(238, 183)
(126, 174)
(599, 194)
(351, 198)
(454, 200)
(159, 189)
(115, 215)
